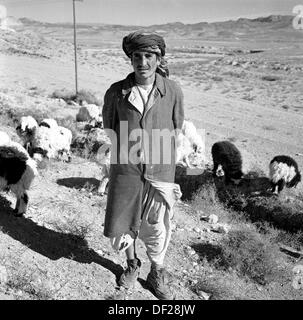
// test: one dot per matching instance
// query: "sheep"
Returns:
(190, 131)
(26, 129)
(17, 171)
(283, 171)
(183, 150)
(49, 123)
(105, 168)
(227, 155)
(189, 143)
(102, 157)
(52, 142)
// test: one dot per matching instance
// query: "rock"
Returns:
(213, 219)
(220, 228)
(196, 229)
(223, 229)
(100, 252)
(173, 226)
(204, 295)
(88, 113)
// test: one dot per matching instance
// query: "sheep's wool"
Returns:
(280, 170)
(51, 123)
(27, 178)
(28, 123)
(4, 138)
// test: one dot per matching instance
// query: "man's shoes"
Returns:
(157, 282)
(131, 273)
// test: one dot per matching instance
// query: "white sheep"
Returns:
(52, 143)
(103, 158)
(49, 123)
(17, 171)
(183, 151)
(189, 145)
(283, 171)
(25, 129)
(190, 131)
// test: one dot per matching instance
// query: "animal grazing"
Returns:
(283, 171)
(189, 143)
(26, 129)
(17, 171)
(190, 131)
(227, 155)
(49, 123)
(184, 149)
(105, 167)
(51, 141)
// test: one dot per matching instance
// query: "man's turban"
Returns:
(149, 42)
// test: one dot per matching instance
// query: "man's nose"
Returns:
(142, 61)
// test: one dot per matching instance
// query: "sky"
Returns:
(146, 12)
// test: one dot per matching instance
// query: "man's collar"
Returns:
(130, 82)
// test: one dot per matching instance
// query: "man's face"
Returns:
(144, 64)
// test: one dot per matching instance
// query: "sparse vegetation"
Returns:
(83, 95)
(251, 254)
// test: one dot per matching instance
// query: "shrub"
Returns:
(251, 254)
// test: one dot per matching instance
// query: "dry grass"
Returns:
(27, 281)
(251, 254)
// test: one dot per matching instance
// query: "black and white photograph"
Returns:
(151, 150)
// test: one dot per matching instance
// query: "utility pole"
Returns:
(75, 45)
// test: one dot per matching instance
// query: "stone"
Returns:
(213, 219)
(204, 295)
(88, 112)
(220, 228)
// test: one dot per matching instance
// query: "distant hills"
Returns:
(278, 20)
(274, 26)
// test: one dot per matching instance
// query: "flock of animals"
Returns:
(18, 163)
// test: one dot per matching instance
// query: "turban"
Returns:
(143, 41)
(149, 42)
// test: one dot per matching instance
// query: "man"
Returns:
(141, 190)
